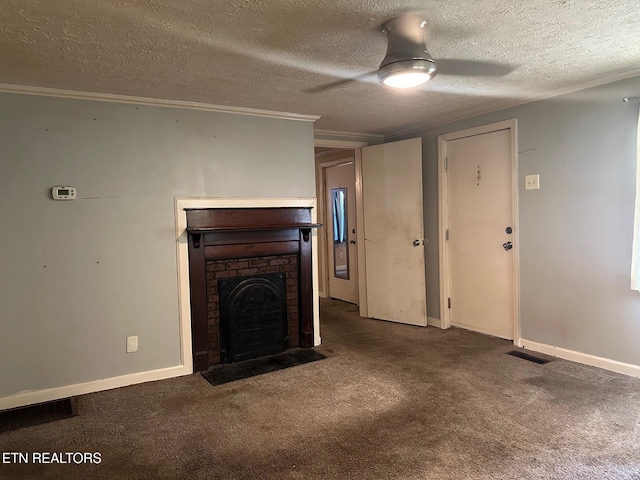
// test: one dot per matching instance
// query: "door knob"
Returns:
(353, 242)
(507, 246)
(416, 243)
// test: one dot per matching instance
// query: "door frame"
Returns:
(443, 218)
(322, 192)
(323, 284)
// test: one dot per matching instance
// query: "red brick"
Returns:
(275, 269)
(279, 261)
(227, 274)
(216, 266)
(258, 263)
(234, 265)
(248, 271)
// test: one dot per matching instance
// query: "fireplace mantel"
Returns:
(208, 220)
(203, 220)
(223, 234)
(299, 226)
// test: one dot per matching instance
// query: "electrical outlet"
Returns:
(532, 182)
(132, 344)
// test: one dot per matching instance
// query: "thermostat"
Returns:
(63, 193)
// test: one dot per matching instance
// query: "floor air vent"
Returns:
(526, 356)
(37, 414)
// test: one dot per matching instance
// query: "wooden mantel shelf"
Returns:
(235, 220)
(246, 228)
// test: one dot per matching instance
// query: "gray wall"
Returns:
(576, 231)
(79, 277)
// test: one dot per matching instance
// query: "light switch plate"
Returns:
(532, 182)
(132, 344)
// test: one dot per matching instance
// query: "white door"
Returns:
(342, 253)
(480, 215)
(393, 232)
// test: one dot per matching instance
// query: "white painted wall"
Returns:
(79, 277)
(576, 231)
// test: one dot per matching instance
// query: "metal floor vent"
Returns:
(37, 414)
(526, 356)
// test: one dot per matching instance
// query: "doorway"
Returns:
(389, 238)
(337, 209)
(342, 254)
(478, 230)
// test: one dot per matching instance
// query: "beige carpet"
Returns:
(389, 402)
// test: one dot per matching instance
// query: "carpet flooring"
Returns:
(390, 402)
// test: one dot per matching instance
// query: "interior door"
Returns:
(342, 253)
(394, 232)
(481, 233)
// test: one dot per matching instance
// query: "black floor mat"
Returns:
(36, 414)
(229, 372)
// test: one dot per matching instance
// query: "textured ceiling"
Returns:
(272, 54)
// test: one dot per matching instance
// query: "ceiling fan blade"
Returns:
(339, 83)
(472, 68)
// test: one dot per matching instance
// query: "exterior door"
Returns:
(480, 221)
(394, 232)
(340, 216)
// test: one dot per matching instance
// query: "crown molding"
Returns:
(634, 72)
(328, 152)
(340, 144)
(155, 102)
(337, 134)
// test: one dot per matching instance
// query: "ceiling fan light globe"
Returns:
(406, 80)
(407, 74)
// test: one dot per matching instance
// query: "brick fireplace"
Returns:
(250, 253)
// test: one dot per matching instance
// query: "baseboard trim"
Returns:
(39, 396)
(584, 358)
(434, 322)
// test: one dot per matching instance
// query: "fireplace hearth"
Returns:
(251, 282)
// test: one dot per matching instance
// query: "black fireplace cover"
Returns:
(253, 314)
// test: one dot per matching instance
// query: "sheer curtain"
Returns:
(635, 261)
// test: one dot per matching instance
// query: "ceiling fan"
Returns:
(408, 63)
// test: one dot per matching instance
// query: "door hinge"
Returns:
(446, 162)
(449, 302)
(446, 234)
